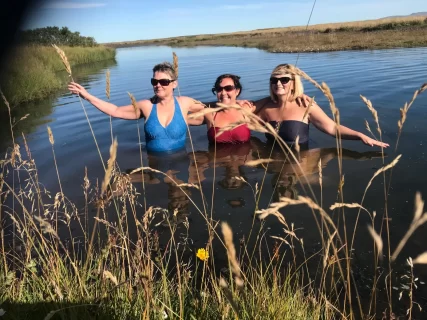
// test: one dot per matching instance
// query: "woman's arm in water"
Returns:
(322, 122)
(125, 112)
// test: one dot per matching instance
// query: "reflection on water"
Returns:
(286, 176)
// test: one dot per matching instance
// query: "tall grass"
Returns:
(54, 262)
(32, 72)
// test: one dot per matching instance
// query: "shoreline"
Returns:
(407, 32)
(33, 72)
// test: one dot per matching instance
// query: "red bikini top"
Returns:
(238, 134)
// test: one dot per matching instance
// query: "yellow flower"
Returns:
(202, 254)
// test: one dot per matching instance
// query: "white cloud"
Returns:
(73, 5)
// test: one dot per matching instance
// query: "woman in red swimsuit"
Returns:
(227, 88)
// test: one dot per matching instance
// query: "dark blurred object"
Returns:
(12, 16)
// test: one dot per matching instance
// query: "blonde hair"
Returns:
(298, 88)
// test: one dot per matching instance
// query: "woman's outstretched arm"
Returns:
(123, 112)
(322, 122)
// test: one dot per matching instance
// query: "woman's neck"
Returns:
(165, 100)
(283, 101)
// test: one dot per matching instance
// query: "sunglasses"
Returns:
(219, 89)
(283, 80)
(163, 82)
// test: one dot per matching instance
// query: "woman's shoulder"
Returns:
(185, 101)
(304, 101)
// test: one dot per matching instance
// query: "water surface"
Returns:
(388, 78)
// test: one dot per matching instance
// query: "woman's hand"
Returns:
(371, 142)
(246, 104)
(78, 89)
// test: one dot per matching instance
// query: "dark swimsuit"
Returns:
(289, 130)
(238, 134)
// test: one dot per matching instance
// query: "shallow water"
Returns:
(387, 77)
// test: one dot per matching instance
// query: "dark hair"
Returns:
(165, 67)
(236, 80)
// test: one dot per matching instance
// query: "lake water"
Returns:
(387, 77)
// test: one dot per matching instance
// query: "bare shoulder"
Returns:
(185, 101)
(145, 107)
(262, 104)
(305, 101)
(144, 104)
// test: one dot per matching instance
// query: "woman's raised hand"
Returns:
(78, 89)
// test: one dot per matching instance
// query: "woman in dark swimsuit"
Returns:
(285, 109)
(227, 88)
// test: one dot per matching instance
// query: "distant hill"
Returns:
(416, 14)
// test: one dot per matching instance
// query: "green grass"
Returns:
(33, 72)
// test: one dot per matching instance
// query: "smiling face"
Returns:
(163, 91)
(279, 86)
(225, 96)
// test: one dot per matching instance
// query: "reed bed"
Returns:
(33, 72)
(59, 261)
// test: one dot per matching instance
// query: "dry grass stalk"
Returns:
(231, 253)
(421, 259)
(265, 213)
(369, 129)
(190, 185)
(418, 220)
(198, 102)
(108, 275)
(297, 147)
(391, 165)
(405, 109)
(349, 205)
(107, 84)
(419, 206)
(49, 132)
(373, 111)
(307, 111)
(223, 284)
(175, 63)
(325, 90)
(46, 227)
(111, 161)
(328, 245)
(63, 58)
(378, 241)
(133, 100)
(10, 123)
(319, 166)
(284, 201)
(254, 163)
(283, 240)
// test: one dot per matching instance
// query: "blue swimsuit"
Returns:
(159, 138)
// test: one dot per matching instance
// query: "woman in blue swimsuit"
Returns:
(286, 107)
(165, 115)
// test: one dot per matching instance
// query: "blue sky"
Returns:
(121, 20)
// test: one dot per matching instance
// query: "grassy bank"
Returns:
(372, 34)
(32, 72)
